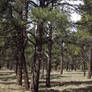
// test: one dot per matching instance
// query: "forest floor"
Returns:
(68, 82)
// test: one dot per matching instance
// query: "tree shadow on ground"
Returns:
(7, 83)
(56, 76)
(7, 72)
(70, 83)
(86, 89)
(55, 83)
(50, 90)
(7, 78)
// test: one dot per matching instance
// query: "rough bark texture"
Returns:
(48, 69)
(49, 59)
(37, 60)
(21, 43)
(25, 73)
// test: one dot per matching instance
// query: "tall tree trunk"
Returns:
(49, 59)
(48, 70)
(61, 59)
(24, 42)
(89, 64)
(37, 60)
(25, 73)
(21, 43)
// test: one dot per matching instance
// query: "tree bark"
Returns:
(89, 64)
(84, 69)
(49, 59)
(19, 73)
(48, 70)
(37, 60)
(43, 69)
(67, 66)
(61, 59)
(25, 73)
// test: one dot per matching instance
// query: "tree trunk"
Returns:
(43, 69)
(67, 66)
(16, 67)
(84, 70)
(89, 64)
(48, 70)
(0, 66)
(56, 66)
(75, 67)
(61, 59)
(8, 64)
(37, 60)
(61, 65)
(49, 59)
(72, 67)
(19, 73)
(25, 73)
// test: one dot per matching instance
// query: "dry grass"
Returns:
(68, 82)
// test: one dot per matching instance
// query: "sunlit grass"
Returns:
(68, 82)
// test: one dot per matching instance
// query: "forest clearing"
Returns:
(73, 81)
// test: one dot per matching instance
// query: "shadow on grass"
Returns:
(86, 89)
(54, 83)
(7, 78)
(56, 76)
(8, 83)
(76, 73)
(7, 73)
(51, 90)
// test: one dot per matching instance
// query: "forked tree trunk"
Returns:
(37, 60)
(21, 60)
(89, 64)
(23, 43)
